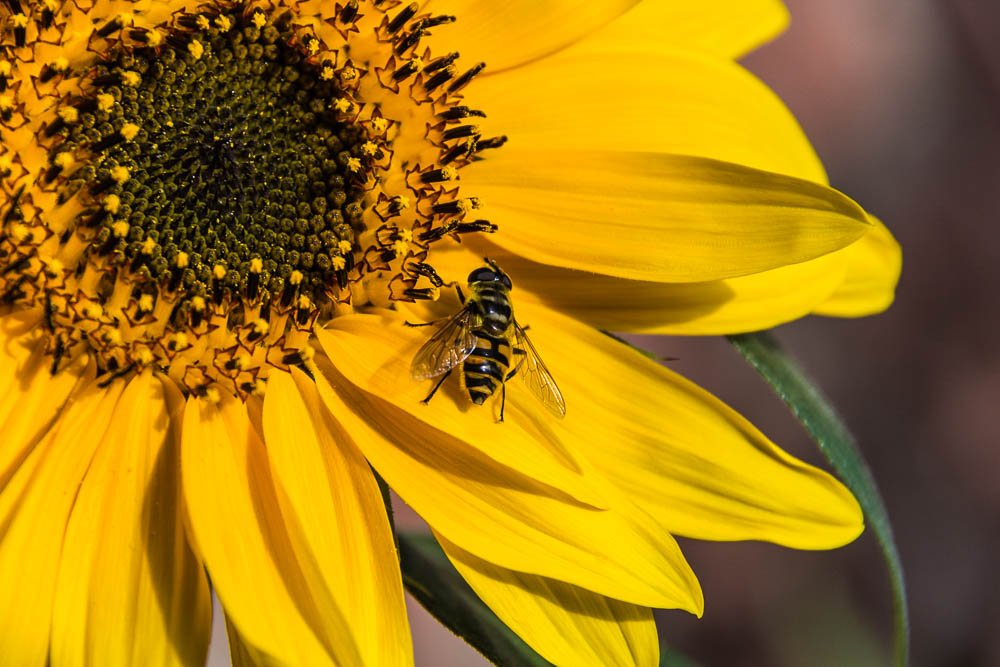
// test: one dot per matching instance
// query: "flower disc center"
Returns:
(197, 191)
(239, 165)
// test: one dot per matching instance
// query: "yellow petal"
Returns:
(30, 397)
(663, 102)
(336, 517)
(516, 444)
(697, 466)
(16, 345)
(658, 217)
(748, 303)
(566, 625)
(726, 28)
(512, 33)
(873, 264)
(34, 508)
(482, 506)
(129, 589)
(237, 528)
(242, 654)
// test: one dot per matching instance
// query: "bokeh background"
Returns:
(902, 101)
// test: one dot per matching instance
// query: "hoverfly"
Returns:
(483, 337)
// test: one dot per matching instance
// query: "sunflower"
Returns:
(216, 218)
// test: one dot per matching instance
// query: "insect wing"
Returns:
(447, 348)
(536, 376)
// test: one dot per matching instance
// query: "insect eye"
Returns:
(482, 275)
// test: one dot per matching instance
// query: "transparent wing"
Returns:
(447, 348)
(536, 376)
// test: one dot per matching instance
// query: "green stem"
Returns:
(814, 411)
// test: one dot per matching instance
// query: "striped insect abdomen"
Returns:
(486, 367)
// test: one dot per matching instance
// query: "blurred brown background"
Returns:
(902, 100)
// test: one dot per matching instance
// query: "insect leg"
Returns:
(461, 297)
(420, 324)
(503, 397)
(434, 390)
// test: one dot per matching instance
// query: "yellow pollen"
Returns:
(113, 337)
(198, 303)
(182, 260)
(449, 173)
(219, 271)
(19, 232)
(401, 202)
(349, 74)
(435, 292)
(400, 247)
(60, 64)
(120, 229)
(111, 204)
(260, 327)
(295, 277)
(326, 71)
(343, 105)
(312, 45)
(344, 246)
(179, 340)
(119, 174)
(338, 262)
(63, 160)
(223, 23)
(242, 360)
(406, 235)
(129, 130)
(53, 266)
(379, 124)
(148, 246)
(154, 37)
(105, 101)
(144, 357)
(196, 49)
(203, 23)
(132, 79)
(212, 395)
(304, 302)
(146, 302)
(259, 386)
(369, 148)
(307, 353)
(69, 114)
(417, 62)
(256, 265)
(259, 19)
(354, 164)
(93, 311)
(20, 20)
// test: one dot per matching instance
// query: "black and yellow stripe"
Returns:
(485, 369)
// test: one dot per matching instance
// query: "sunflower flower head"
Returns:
(216, 219)
(196, 187)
